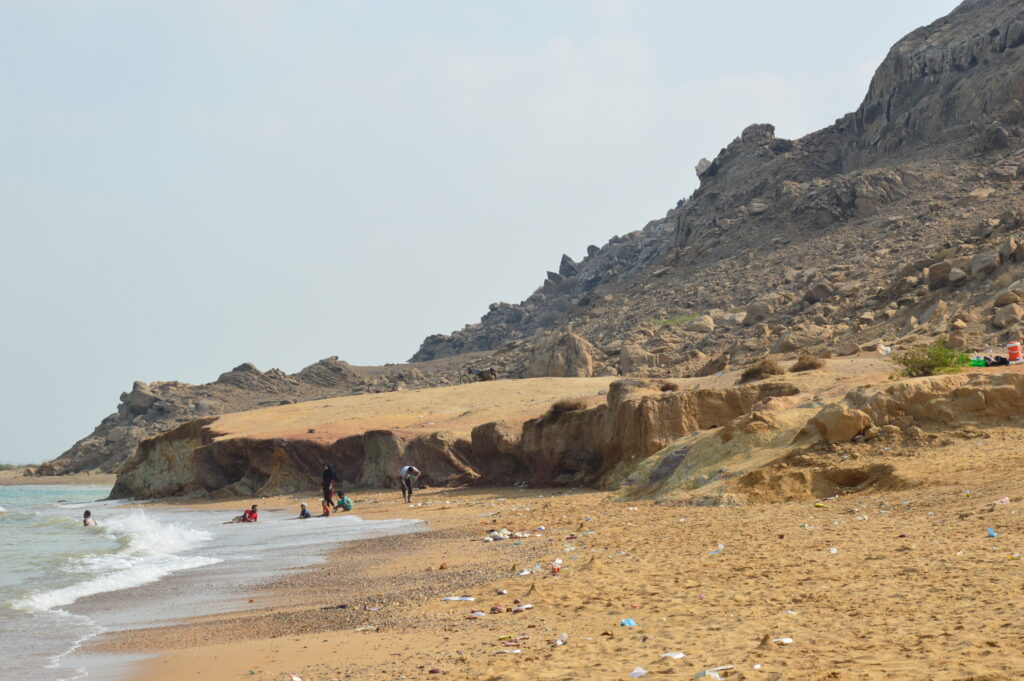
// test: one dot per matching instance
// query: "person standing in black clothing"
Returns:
(329, 478)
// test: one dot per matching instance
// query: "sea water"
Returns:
(62, 583)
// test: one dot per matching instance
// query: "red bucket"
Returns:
(1013, 350)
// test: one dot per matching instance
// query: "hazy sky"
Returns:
(185, 186)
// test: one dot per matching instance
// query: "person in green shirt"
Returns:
(344, 503)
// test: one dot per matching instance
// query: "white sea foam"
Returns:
(149, 553)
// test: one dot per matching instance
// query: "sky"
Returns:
(186, 186)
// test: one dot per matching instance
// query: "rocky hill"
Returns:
(899, 223)
(150, 409)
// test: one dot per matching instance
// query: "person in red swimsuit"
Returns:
(250, 515)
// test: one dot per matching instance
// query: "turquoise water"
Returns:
(42, 542)
(62, 583)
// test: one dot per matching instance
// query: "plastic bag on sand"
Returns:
(637, 673)
(674, 656)
(628, 622)
(458, 598)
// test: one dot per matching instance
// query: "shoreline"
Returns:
(379, 581)
(17, 477)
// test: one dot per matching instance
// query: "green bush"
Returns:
(929, 359)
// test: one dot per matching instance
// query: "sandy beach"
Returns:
(900, 583)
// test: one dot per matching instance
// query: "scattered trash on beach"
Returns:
(292, 677)
(628, 622)
(502, 592)
(458, 598)
(525, 573)
(674, 656)
(717, 673)
(992, 533)
(523, 608)
(512, 651)
(562, 639)
(637, 673)
(784, 641)
(833, 550)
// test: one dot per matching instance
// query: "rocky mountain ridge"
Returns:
(942, 118)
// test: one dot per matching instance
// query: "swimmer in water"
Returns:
(88, 520)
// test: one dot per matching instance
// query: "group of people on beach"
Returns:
(407, 476)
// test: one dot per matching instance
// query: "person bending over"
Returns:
(408, 476)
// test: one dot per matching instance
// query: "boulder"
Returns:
(718, 364)
(757, 312)
(820, 290)
(702, 324)
(568, 267)
(801, 337)
(984, 263)
(563, 355)
(847, 348)
(1006, 298)
(1008, 315)
(633, 358)
(938, 274)
(836, 423)
(956, 276)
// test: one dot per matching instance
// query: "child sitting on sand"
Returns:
(344, 503)
(304, 512)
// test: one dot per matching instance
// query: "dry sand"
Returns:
(916, 589)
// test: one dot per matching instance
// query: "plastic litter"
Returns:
(524, 573)
(833, 550)
(674, 656)
(784, 641)
(628, 622)
(523, 608)
(637, 673)
(458, 598)
(562, 639)
(991, 532)
(477, 613)
(292, 677)
(502, 592)
(512, 651)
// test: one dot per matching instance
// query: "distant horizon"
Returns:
(191, 186)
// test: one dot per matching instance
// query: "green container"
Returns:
(977, 361)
